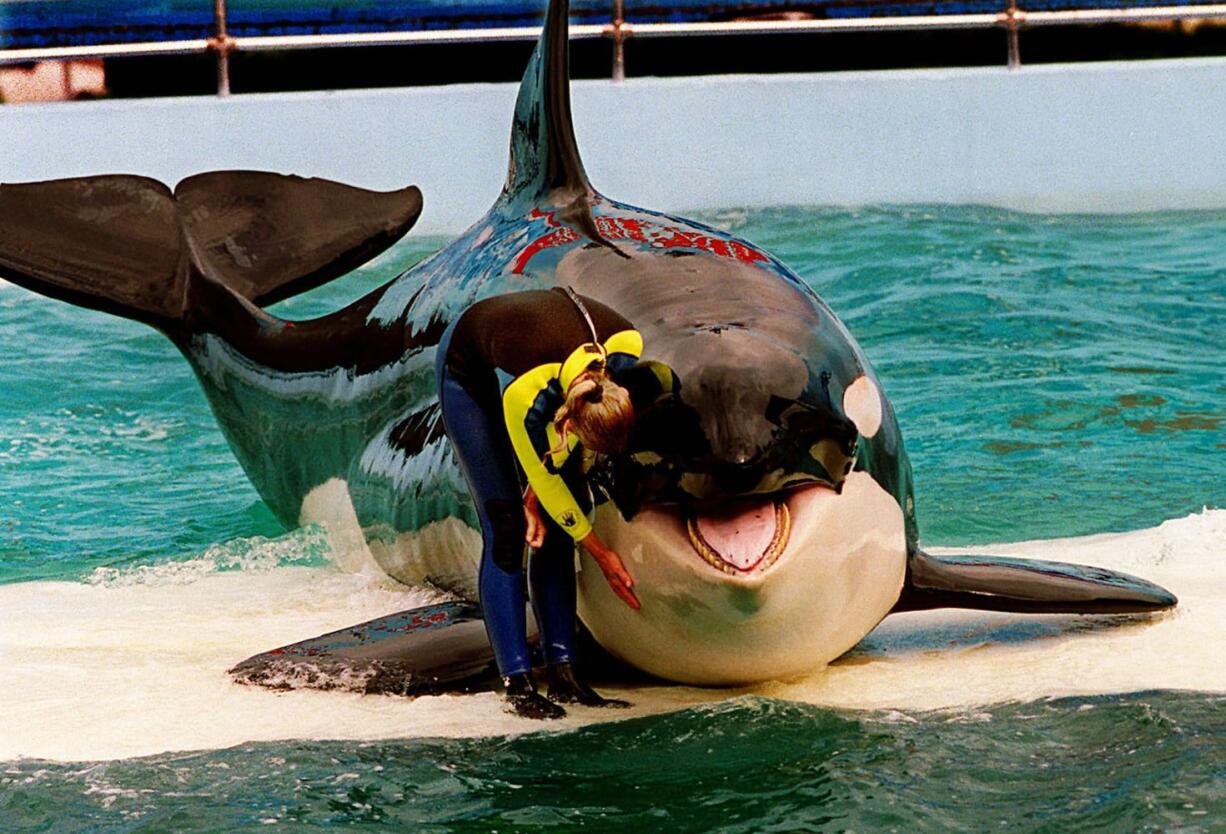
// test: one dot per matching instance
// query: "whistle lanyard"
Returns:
(587, 319)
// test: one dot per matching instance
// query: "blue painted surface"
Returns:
(46, 23)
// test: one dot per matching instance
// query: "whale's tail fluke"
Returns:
(1000, 583)
(130, 246)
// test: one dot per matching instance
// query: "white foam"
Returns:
(135, 663)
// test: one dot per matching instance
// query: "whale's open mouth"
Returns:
(743, 536)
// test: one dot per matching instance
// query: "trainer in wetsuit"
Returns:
(526, 383)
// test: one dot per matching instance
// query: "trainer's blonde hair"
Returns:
(598, 411)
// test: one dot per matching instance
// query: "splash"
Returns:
(258, 554)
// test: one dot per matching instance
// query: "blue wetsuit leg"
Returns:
(551, 575)
(481, 445)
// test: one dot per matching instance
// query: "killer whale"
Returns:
(765, 506)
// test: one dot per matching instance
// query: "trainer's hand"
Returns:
(535, 535)
(615, 572)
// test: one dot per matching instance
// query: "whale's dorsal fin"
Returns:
(544, 155)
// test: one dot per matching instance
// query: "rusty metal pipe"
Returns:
(1012, 19)
(222, 44)
(619, 41)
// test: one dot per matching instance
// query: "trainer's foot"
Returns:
(566, 688)
(523, 699)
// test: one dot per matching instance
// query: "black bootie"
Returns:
(523, 699)
(566, 688)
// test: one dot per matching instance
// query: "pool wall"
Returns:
(1127, 136)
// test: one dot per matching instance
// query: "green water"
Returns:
(1054, 376)
(1144, 762)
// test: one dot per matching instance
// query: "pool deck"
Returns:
(1122, 136)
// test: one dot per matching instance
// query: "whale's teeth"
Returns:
(778, 543)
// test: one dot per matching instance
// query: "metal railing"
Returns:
(1011, 19)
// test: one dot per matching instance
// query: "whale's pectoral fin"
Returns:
(999, 583)
(423, 650)
(127, 245)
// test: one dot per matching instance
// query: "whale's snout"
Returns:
(749, 588)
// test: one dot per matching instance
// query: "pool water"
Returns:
(1054, 376)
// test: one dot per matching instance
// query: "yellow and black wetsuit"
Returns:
(503, 369)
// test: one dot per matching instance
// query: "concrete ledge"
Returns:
(1081, 137)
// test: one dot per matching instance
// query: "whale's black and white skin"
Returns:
(765, 505)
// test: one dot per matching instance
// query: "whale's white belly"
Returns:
(445, 554)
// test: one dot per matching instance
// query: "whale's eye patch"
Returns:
(862, 405)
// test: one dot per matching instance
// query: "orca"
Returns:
(764, 505)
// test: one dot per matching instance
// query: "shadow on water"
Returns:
(1142, 762)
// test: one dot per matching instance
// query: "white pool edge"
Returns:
(1092, 137)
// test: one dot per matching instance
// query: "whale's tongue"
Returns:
(741, 533)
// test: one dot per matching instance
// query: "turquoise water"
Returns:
(1054, 376)
(1145, 762)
